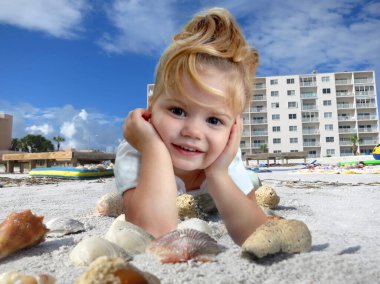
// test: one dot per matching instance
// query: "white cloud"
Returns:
(59, 18)
(82, 129)
(45, 129)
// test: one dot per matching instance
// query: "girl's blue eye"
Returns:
(177, 111)
(214, 121)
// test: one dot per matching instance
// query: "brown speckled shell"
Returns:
(182, 245)
(21, 230)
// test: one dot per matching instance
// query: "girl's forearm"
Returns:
(152, 206)
(241, 215)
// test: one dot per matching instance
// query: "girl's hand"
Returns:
(225, 158)
(138, 130)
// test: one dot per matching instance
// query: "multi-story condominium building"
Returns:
(316, 113)
(6, 121)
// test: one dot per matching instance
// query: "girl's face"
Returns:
(194, 134)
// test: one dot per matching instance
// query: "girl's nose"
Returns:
(191, 129)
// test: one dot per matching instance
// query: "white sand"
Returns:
(341, 211)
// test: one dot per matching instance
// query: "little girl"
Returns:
(187, 141)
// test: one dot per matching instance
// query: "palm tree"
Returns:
(58, 139)
(354, 140)
(264, 148)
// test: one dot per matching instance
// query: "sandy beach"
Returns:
(341, 212)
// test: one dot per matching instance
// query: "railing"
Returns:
(367, 117)
(259, 98)
(365, 93)
(369, 105)
(342, 81)
(309, 107)
(344, 94)
(345, 118)
(363, 81)
(308, 95)
(258, 109)
(347, 130)
(246, 134)
(345, 143)
(314, 119)
(259, 133)
(366, 130)
(368, 142)
(258, 145)
(259, 86)
(311, 144)
(261, 121)
(344, 106)
(310, 131)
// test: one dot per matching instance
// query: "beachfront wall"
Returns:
(313, 113)
(6, 121)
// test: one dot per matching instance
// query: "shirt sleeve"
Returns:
(127, 167)
(239, 174)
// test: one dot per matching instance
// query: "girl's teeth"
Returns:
(188, 149)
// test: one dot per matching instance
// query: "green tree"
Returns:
(35, 143)
(354, 147)
(264, 148)
(58, 139)
(15, 144)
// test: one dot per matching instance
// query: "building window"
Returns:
(291, 92)
(293, 140)
(330, 152)
(275, 105)
(290, 81)
(327, 103)
(329, 127)
(274, 93)
(277, 151)
(292, 116)
(276, 129)
(325, 79)
(276, 140)
(293, 151)
(292, 104)
(327, 115)
(329, 139)
(274, 82)
(293, 128)
(275, 117)
(326, 91)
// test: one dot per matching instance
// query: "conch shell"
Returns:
(12, 277)
(114, 270)
(21, 230)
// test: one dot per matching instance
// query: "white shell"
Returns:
(63, 226)
(128, 236)
(90, 249)
(12, 277)
(196, 224)
(110, 204)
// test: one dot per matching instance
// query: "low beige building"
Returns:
(6, 121)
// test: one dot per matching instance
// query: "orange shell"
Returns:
(21, 230)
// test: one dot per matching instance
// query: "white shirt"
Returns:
(127, 171)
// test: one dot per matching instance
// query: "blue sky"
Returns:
(75, 68)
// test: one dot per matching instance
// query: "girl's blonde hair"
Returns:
(211, 39)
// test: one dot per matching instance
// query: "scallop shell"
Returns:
(128, 236)
(196, 224)
(12, 277)
(87, 250)
(20, 230)
(267, 197)
(182, 245)
(64, 226)
(115, 270)
(110, 204)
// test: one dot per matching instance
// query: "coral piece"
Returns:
(288, 236)
(196, 224)
(87, 250)
(130, 237)
(267, 197)
(187, 206)
(114, 270)
(12, 277)
(182, 245)
(64, 226)
(20, 230)
(110, 204)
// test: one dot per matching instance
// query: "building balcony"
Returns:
(344, 106)
(258, 98)
(245, 134)
(363, 81)
(309, 108)
(343, 82)
(310, 132)
(309, 95)
(258, 109)
(344, 94)
(347, 130)
(310, 119)
(369, 105)
(365, 94)
(261, 121)
(259, 133)
(259, 86)
(311, 144)
(257, 145)
(368, 130)
(345, 143)
(368, 143)
(367, 117)
(346, 118)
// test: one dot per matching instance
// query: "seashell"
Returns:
(87, 250)
(187, 206)
(20, 230)
(196, 224)
(12, 277)
(267, 197)
(130, 237)
(206, 203)
(288, 236)
(114, 270)
(64, 226)
(182, 245)
(110, 204)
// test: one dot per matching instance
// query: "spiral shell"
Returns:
(21, 230)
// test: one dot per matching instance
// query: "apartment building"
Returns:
(318, 113)
(6, 121)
